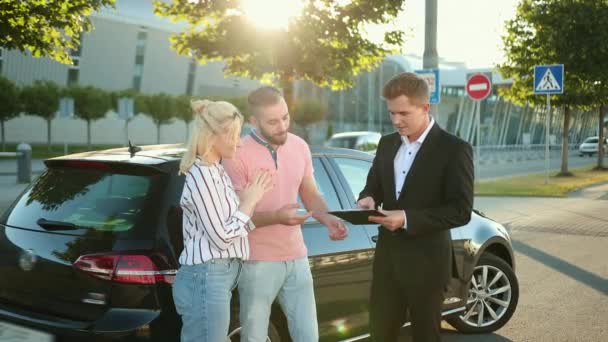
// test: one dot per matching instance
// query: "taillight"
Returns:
(127, 269)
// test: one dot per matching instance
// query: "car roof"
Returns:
(162, 154)
(148, 155)
(354, 134)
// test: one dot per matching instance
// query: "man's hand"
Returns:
(288, 216)
(366, 203)
(394, 219)
(335, 226)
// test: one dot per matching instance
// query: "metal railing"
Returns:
(24, 162)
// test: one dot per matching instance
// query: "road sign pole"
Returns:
(478, 88)
(547, 138)
(126, 132)
(478, 147)
(548, 79)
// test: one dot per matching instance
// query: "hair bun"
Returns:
(198, 106)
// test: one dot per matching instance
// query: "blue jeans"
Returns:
(202, 294)
(288, 281)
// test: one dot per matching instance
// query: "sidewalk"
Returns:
(8, 167)
(596, 192)
(566, 216)
(10, 190)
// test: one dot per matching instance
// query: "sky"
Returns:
(468, 31)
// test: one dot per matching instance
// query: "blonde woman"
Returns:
(215, 223)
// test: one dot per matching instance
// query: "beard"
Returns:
(276, 139)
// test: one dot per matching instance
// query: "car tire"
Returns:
(499, 294)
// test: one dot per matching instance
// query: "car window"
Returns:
(87, 198)
(591, 141)
(325, 186)
(355, 172)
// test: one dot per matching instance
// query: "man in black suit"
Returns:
(422, 179)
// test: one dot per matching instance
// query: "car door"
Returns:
(353, 175)
(341, 269)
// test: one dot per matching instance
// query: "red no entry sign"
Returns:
(478, 86)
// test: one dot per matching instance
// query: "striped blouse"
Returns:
(213, 227)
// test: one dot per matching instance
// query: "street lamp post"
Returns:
(430, 58)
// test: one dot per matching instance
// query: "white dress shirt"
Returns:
(404, 160)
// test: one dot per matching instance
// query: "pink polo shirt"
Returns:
(292, 163)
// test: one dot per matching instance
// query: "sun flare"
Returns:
(271, 14)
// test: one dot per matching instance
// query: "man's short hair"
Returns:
(263, 97)
(407, 84)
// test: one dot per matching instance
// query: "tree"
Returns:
(307, 112)
(42, 99)
(160, 108)
(556, 32)
(602, 137)
(240, 102)
(9, 97)
(601, 105)
(183, 111)
(46, 28)
(327, 44)
(90, 104)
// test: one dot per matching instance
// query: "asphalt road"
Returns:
(561, 252)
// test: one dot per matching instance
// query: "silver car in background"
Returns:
(590, 146)
(363, 141)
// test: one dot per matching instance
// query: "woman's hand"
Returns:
(254, 191)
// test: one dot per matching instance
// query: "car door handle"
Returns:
(375, 238)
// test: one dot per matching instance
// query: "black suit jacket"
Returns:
(437, 195)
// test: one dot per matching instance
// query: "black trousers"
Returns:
(400, 285)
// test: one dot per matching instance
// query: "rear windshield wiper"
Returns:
(56, 225)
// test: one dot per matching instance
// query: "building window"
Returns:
(73, 76)
(140, 49)
(74, 69)
(191, 74)
(137, 82)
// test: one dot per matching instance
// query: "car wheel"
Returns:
(273, 333)
(493, 296)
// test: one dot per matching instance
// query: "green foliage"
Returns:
(239, 102)
(326, 44)
(183, 110)
(569, 32)
(9, 98)
(159, 107)
(46, 28)
(306, 112)
(41, 99)
(90, 103)
(330, 130)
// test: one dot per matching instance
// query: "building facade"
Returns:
(129, 48)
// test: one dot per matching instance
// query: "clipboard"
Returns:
(357, 216)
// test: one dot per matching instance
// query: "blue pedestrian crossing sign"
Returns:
(431, 76)
(548, 79)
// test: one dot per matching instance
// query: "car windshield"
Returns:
(591, 141)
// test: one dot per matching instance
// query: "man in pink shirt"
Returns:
(278, 266)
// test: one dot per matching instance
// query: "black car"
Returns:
(90, 250)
